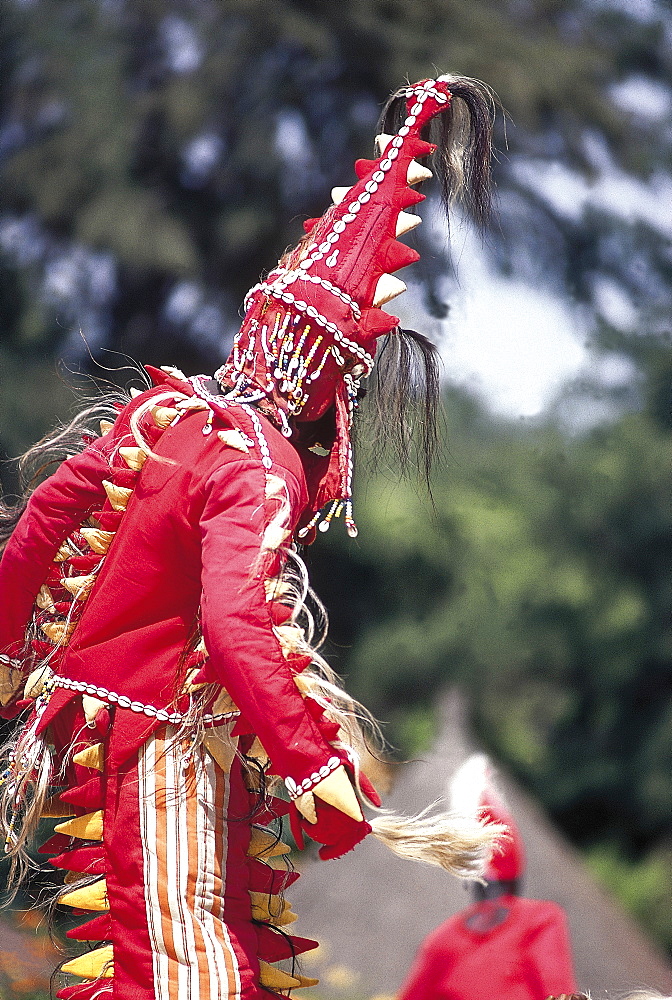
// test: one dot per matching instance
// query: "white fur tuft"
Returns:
(469, 784)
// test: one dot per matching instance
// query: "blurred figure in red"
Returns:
(503, 945)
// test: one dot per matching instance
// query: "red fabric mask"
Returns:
(310, 329)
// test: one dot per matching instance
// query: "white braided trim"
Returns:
(315, 279)
(8, 661)
(295, 789)
(123, 701)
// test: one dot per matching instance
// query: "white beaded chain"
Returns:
(266, 459)
(9, 662)
(294, 788)
(123, 701)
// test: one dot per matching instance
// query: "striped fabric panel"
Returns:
(183, 804)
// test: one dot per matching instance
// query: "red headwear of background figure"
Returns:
(473, 792)
(504, 945)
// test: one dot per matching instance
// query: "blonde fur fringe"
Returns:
(461, 846)
(27, 764)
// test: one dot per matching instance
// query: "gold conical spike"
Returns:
(271, 909)
(35, 683)
(92, 707)
(53, 808)
(224, 704)
(222, 748)
(289, 637)
(96, 964)
(387, 287)
(58, 632)
(281, 863)
(382, 141)
(253, 780)
(88, 827)
(164, 415)
(106, 426)
(258, 753)
(417, 173)
(189, 403)
(305, 803)
(275, 588)
(117, 495)
(134, 458)
(89, 897)
(265, 845)
(276, 979)
(190, 685)
(175, 372)
(338, 194)
(9, 682)
(79, 586)
(64, 552)
(305, 981)
(304, 684)
(90, 757)
(337, 790)
(232, 438)
(44, 600)
(98, 539)
(406, 222)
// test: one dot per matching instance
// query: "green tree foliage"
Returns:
(541, 585)
(178, 145)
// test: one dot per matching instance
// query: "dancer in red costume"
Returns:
(503, 946)
(156, 626)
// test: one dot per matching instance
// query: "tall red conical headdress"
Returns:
(310, 328)
(473, 793)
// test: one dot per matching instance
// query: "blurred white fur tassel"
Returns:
(462, 846)
(472, 780)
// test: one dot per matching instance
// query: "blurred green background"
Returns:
(157, 155)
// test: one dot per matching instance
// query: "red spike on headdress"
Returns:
(398, 255)
(364, 167)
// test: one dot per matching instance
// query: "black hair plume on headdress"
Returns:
(402, 411)
(463, 137)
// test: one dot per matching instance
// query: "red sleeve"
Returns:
(245, 654)
(57, 506)
(548, 954)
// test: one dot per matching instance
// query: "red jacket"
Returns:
(505, 949)
(186, 546)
